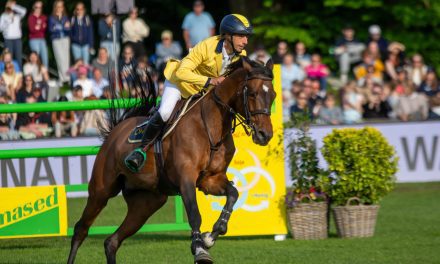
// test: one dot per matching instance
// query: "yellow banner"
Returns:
(33, 211)
(259, 178)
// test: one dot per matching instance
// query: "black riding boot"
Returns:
(136, 159)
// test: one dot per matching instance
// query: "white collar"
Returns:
(225, 54)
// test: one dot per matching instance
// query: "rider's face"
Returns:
(240, 42)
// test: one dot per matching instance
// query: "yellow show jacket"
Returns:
(204, 61)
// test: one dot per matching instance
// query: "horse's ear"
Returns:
(269, 64)
(246, 63)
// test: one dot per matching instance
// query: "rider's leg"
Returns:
(170, 97)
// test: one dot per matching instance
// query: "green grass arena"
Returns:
(407, 231)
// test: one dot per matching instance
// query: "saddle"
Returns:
(182, 107)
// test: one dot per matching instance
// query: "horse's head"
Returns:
(255, 98)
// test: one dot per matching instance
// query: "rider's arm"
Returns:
(196, 57)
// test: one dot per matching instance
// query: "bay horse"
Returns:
(196, 155)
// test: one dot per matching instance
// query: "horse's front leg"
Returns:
(188, 191)
(221, 225)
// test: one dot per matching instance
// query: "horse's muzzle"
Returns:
(261, 137)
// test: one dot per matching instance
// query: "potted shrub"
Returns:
(363, 166)
(306, 202)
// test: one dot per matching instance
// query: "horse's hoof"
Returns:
(202, 257)
(208, 240)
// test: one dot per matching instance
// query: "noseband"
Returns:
(245, 121)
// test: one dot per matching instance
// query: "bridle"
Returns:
(245, 121)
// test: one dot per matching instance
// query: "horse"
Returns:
(195, 155)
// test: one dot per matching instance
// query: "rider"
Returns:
(203, 67)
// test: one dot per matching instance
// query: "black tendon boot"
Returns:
(136, 159)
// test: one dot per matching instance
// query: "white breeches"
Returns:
(171, 95)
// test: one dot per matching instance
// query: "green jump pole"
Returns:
(48, 152)
(66, 106)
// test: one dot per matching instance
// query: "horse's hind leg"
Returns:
(96, 201)
(141, 205)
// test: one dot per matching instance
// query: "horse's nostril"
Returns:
(261, 134)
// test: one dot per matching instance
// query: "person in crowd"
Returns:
(98, 82)
(260, 54)
(282, 49)
(375, 35)
(64, 121)
(376, 106)
(390, 95)
(81, 34)
(330, 113)
(3, 88)
(431, 88)
(103, 63)
(302, 106)
(287, 98)
(127, 67)
(37, 70)
(105, 29)
(391, 64)
(74, 70)
(76, 94)
(92, 120)
(59, 28)
(370, 66)
(374, 51)
(197, 25)
(318, 70)
(301, 56)
(26, 89)
(412, 106)
(290, 71)
(352, 102)
(33, 125)
(316, 97)
(10, 26)
(417, 70)
(7, 131)
(37, 93)
(400, 82)
(348, 51)
(13, 80)
(6, 58)
(37, 26)
(295, 88)
(84, 81)
(167, 49)
(106, 93)
(434, 106)
(134, 31)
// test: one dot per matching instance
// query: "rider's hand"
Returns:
(217, 81)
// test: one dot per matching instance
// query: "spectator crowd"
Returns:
(376, 80)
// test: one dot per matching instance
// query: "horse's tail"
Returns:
(141, 88)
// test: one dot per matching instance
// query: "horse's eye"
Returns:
(252, 94)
